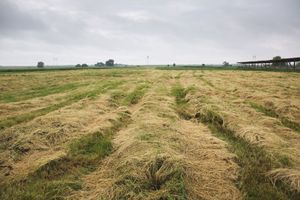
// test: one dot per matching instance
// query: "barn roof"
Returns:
(295, 59)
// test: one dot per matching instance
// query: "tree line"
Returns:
(108, 63)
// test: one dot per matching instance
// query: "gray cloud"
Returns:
(190, 31)
(13, 20)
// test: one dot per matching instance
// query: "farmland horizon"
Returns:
(147, 64)
(116, 65)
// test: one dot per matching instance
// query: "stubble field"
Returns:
(149, 134)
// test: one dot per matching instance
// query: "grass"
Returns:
(134, 97)
(254, 161)
(59, 178)
(207, 82)
(38, 92)
(25, 117)
(92, 146)
(179, 93)
(193, 67)
(47, 69)
(178, 75)
(146, 136)
(272, 113)
(116, 98)
(138, 171)
(162, 179)
(180, 99)
(222, 68)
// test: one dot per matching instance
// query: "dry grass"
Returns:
(290, 177)
(160, 156)
(192, 134)
(229, 111)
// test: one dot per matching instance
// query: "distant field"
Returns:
(149, 134)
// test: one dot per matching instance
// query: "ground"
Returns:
(149, 134)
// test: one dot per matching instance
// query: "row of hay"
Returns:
(26, 146)
(160, 156)
(245, 122)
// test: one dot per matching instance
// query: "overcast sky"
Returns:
(181, 31)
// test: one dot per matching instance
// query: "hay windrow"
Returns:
(219, 121)
(59, 177)
(192, 134)
(49, 134)
(162, 157)
(290, 177)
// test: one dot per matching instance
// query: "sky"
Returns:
(168, 31)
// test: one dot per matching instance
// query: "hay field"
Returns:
(149, 134)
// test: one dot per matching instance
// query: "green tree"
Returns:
(110, 63)
(99, 64)
(40, 64)
(225, 64)
(278, 58)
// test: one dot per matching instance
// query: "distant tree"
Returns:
(99, 64)
(40, 64)
(174, 64)
(110, 63)
(225, 64)
(78, 65)
(276, 58)
(84, 65)
(203, 65)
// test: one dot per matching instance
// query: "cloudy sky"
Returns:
(181, 31)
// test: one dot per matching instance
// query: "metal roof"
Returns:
(296, 59)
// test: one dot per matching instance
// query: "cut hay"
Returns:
(289, 177)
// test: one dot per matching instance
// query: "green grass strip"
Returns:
(180, 93)
(136, 95)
